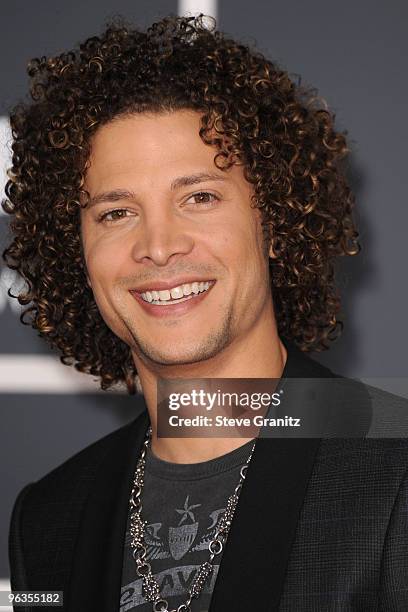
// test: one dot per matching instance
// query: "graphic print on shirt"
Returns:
(180, 539)
(186, 539)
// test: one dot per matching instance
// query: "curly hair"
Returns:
(252, 112)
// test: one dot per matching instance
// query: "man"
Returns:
(178, 205)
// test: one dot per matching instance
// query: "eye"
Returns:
(202, 198)
(110, 216)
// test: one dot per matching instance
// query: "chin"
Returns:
(174, 358)
(177, 356)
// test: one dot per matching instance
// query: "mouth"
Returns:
(175, 300)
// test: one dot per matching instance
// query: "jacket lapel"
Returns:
(252, 570)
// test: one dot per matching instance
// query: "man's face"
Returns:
(169, 219)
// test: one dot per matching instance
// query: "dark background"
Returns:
(355, 54)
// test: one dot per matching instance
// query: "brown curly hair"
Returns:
(252, 112)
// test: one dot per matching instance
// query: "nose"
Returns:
(162, 238)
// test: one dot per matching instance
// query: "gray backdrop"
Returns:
(355, 53)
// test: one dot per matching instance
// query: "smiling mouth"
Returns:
(176, 295)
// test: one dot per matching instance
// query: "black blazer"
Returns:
(321, 524)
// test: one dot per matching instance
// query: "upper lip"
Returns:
(162, 285)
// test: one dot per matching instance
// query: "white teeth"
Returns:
(164, 295)
(175, 293)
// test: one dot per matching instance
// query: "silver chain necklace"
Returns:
(151, 588)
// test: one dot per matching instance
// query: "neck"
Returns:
(263, 356)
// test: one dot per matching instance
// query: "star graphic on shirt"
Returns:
(186, 511)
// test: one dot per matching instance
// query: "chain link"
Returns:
(150, 586)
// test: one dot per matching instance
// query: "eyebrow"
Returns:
(194, 179)
(116, 195)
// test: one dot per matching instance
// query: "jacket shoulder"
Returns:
(389, 415)
(80, 468)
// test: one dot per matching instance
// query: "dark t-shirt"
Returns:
(181, 504)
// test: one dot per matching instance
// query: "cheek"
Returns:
(103, 258)
(251, 262)
(246, 245)
(105, 263)
(103, 271)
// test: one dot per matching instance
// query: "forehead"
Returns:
(148, 142)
